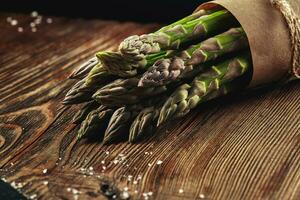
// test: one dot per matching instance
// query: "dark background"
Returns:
(142, 11)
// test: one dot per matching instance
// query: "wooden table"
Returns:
(238, 147)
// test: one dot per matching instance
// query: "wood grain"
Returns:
(245, 146)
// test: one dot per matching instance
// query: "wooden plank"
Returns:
(238, 147)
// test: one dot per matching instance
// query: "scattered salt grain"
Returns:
(14, 22)
(91, 168)
(34, 14)
(49, 20)
(129, 177)
(20, 29)
(103, 162)
(159, 162)
(32, 24)
(149, 164)
(69, 189)
(33, 29)
(135, 182)
(124, 195)
(201, 196)
(107, 152)
(115, 162)
(180, 191)
(9, 19)
(45, 182)
(45, 171)
(34, 196)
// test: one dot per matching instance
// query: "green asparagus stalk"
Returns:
(83, 112)
(98, 76)
(82, 71)
(144, 123)
(189, 18)
(188, 62)
(117, 64)
(95, 121)
(119, 123)
(188, 96)
(79, 93)
(136, 47)
(125, 91)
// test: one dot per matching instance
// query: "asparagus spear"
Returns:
(117, 64)
(188, 96)
(144, 123)
(125, 91)
(98, 76)
(84, 69)
(119, 123)
(95, 121)
(189, 18)
(136, 47)
(187, 63)
(79, 93)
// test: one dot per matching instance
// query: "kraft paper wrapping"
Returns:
(268, 36)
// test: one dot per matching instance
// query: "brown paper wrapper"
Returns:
(268, 36)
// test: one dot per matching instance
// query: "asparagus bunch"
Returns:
(187, 64)
(159, 76)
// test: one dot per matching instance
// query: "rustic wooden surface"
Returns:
(238, 147)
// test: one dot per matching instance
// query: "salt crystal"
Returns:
(34, 14)
(107, 152)
(45, 182)
(201, 196)
(45, 171)
(20, 29)
(103, 162)
(91, 168)
(59, 158)
(33, 29)
(129, 177)
(149, 164)
(125, 188)
(75, 191)
(38, 20)
(9, 19)
(124, 195)
(135, 182)
(69, 189)
(115, 161)
(150, 193)
(139, 177)
(49, 20)
(146, 153)
(14, 22)
(32, 24)
(32, 196)
(180, 191)
(103, 167)
(159, 162)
